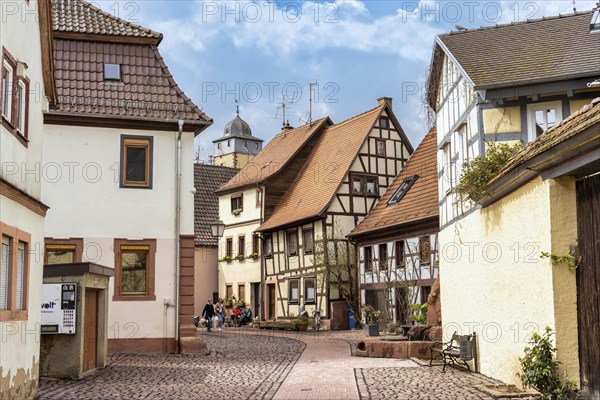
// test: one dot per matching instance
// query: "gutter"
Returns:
(177, 231)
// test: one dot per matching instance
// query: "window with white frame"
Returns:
(294, 288)
(446, 168)
(310, 290)
(4, 266)
(7, 89)
(14, 96)
(541, 117)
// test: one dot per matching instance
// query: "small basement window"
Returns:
(112, 72)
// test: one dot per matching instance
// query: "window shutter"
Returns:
(4, 273)
(20, 276)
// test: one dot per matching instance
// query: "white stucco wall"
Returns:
(86, 201)
(19, 344)
(494, 282)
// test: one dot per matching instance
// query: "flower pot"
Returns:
(371, 330)
(302, 327)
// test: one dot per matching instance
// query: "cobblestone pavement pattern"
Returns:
(239, 367)
(269, 366)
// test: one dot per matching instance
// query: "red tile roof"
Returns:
(207, 178)
(312, 192)
(79, 16)
(275, 155)
(147, 89)
(421, 200)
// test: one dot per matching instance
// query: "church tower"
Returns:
(237, 146)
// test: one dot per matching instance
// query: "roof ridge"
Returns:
(362, 114)
(517, 23)
(97, 10)
(129, 23)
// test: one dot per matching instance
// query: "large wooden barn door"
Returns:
(588, 283)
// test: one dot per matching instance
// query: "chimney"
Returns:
(287, 126)
(382, 100)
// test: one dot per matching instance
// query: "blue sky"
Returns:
(266, 52)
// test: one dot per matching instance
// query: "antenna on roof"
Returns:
(310, 103)
(281, 106)
(237, 107)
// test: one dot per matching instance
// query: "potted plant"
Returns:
(419, 313)
(241, 302)
(240, 257)
(227, 258)
(372, 318)
(301, 323)
(253, 256)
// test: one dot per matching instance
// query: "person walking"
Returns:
(220, 310)
(208, 313)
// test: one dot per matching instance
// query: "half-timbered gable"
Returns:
(397, 242)
(485, 86)
(248, 199)
(350, 167)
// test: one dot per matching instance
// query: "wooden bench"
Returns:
(457, 352)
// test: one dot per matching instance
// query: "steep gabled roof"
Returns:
(79, 16)
(420, 201)
(521, 53)
(146, 91)
(275, 155)
(207, 179)
(314, 188)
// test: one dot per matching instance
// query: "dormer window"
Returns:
(402, 189)
(112, 72)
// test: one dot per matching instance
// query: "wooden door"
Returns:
(271, 301)
(90, 330)
(588, 283)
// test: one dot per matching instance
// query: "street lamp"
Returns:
(218, 228)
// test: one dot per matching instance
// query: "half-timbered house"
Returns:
(515, 83)
(351, 166)
(397, 241)
(248, 199)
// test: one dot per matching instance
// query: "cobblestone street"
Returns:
(272, 365)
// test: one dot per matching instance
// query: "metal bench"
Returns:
(457, 352)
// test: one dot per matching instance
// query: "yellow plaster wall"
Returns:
(494, 282)
(502, 120)
(575, 105)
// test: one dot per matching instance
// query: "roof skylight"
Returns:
(402, 189)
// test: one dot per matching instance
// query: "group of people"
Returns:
(211, 310)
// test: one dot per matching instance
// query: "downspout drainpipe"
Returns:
(177, 232)
(262, 258)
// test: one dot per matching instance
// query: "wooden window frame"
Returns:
(11, 122)
(258, 198)
(146, 142)
(380, 259)
(306, 299)
(288, 236)
(364, 179)
(382, 143)
(228, 290)
(297, 282)
(381, 122)
(239, 292)
(150, 270)
(234, 198)
(15, 235)
(400, 261)
(305, 231)
(229, 246)
(241, 245)
(255, 243)
(268, 240)
(368, 258)
(77, 242)
(423, 262)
